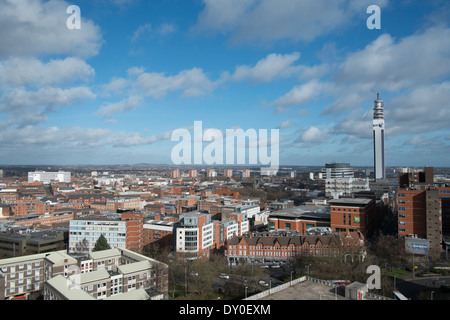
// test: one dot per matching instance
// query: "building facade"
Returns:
(424, 212)
(48, 177)
(195, 235)
(269, 248)
(378, 139)
(354, 215)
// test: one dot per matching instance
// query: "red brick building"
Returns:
(354, 215)
(411, 213)
(134, 231)
(264, 248)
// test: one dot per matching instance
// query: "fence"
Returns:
(276, 289)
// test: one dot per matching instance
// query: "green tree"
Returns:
(101, 244)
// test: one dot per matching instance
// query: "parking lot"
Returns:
(306, 290)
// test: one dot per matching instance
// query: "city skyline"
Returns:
(113, 91)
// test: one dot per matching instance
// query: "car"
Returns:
(275, 266)
(263, 283)
(224, 276)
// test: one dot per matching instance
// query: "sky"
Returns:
(114, 90)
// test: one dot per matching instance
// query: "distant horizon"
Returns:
(282, 166)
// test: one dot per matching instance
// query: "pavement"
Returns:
(306, 290)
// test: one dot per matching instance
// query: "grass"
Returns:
(398, 273)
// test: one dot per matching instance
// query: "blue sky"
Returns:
(113, 91)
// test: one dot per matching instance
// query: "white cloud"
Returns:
(191, 83)
(143, 29)
(271, 67)
(314, 135)
(35, 27)
(124, 105)
(418, 59)
(273, 20)
(301, 94)
(16, 72)
(146, 30)
(222, 15)
(125, 140)
(422, 109)
(27, 107)
(284, 125)
(166, 28)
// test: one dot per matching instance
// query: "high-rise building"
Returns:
(193, 173)
(336, 170)
(423, 212)
(174, 174)
(378, 139)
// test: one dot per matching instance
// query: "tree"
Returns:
(101, 244)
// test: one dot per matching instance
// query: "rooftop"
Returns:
(350, 201)
(313, 212)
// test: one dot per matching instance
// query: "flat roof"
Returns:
(138, 294)
(350, 201)
(94, 276)
(304, 212)
(61, 285)
(134, 267)
(102, 254)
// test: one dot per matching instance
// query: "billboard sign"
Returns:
(417, 246)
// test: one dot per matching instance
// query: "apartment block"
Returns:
(134, 230)
(123, 203)
(195, 235)
(425, 213)
(108, 274)
(175, 174)
(411, 213)
(241, 221)
(49, 219)
(23, 276)
(20, 209)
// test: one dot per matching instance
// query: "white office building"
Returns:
(48, 177)
(84, 233)
(337, 170)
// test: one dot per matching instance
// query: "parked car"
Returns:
(263, 283)
(224, 276)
